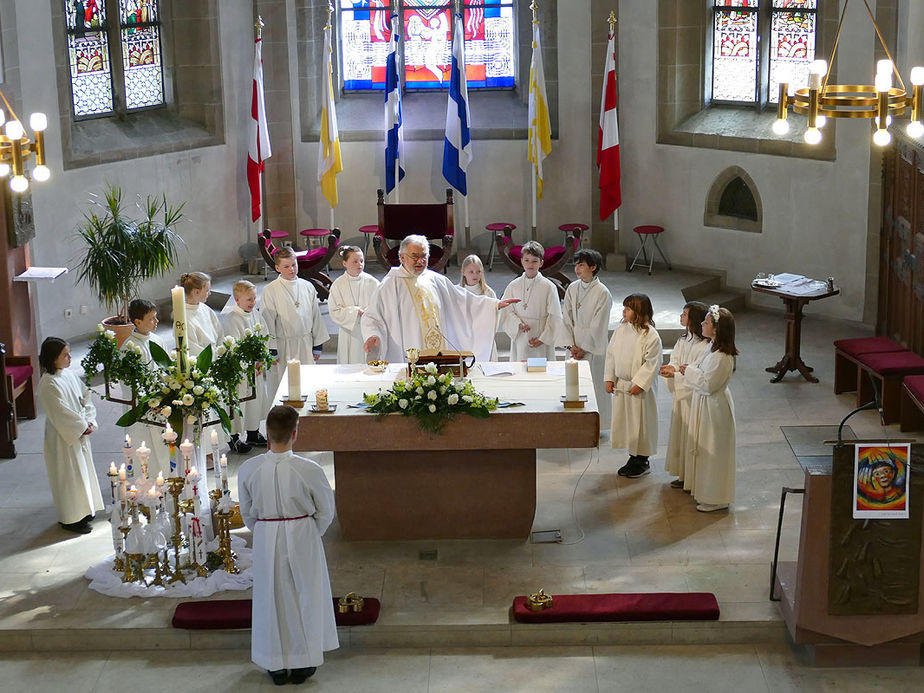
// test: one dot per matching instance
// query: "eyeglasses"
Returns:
(416, 256)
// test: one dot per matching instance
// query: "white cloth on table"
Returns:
(236, 322)
(539, 308)
(293, 614)
(143, 433)
(466, 320)
(349, 295)
(633, 357)
(586, 315)
(688, 349)
(710, 467)
(68, 456)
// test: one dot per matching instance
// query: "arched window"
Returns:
(734, 202)
(115, 66)
(756, 44)
(490, 43)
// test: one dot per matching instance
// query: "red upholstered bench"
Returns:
(222, 614)
(889, 368)
(596, 608)
(846, 366)
(912, 403)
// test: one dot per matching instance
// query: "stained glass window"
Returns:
(792, 44)
(141, 56)
(734, 62)
(365, 31)
(88, 54)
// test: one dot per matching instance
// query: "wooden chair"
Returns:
(311, 263)
(17, 398)
(399, 220)
(553, 262)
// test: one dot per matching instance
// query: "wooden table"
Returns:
(792, 359)
(474, 480)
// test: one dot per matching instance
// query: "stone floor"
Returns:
(619, 535)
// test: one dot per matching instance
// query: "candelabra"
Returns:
(224, 534)
(176, 484)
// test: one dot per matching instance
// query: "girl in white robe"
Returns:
(688, 349)
(633, 358)
(349, 297)
(534, 325)
(288, 504)
(472, 280)
(70, 419)
(586, 314)
(710, 466)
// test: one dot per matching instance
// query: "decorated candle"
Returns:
(128, 451)
(222, 471)
(143, 452)
(320, 397)
(572, 392)
(113, 482)
(122, 472)
(186, 449)
(213, 437)
(295, 379)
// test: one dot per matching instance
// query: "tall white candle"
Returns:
(186, 449)
(295, 379)
(178, 298)
(223, 466)
(572, 391)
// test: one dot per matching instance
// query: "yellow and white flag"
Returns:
(329, 161)
(540, 131)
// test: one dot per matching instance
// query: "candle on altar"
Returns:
(572, 391)
(186, 448)
(178, 298)
(294, 368)
(143, 452)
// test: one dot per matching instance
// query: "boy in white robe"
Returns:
(535, 325)
(243, 317)
(633, 358)
(349, 295)
(288, 504)
(586, 315)
(289, 308)
(70, 419)
(143, 314)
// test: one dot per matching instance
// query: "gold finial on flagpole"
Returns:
(612, 20)
(330, 12)
(534, 6)
(259, 25)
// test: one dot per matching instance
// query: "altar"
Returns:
(476, 479)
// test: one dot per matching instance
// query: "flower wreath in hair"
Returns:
(714, 312)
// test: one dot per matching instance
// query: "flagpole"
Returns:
(533, 171)
(612, 22)
(259, 222)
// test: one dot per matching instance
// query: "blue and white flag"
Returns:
(457, 150)
(393, 135)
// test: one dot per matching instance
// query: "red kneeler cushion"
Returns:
(867, 345)
(594, 608)
(236, 613)
(915, 385)
(898, 363)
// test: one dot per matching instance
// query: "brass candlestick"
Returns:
(176, 484)
(224, 534)
(121, 563)
(158, 574)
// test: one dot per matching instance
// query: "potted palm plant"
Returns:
(120, 253)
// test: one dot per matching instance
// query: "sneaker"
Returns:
(627, 467)
(255, 438)
(640, 468)
(239, 446)
(302, 675)
(711, 507)
(677, 483)
(280, 677)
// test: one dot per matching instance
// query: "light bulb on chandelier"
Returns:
(780, 126)
(812, 136)
(19, 184)
(915, 129)
(881, 138)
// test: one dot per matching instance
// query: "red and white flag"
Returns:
(608, 137)
(258, 142)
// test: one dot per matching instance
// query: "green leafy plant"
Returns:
(118, 366)
(432, 399)
(120, 253)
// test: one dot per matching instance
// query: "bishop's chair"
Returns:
(554, 260)
(311, 263)
(399, 220)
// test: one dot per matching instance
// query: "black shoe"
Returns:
(256, 438)
(280, 678)
(639, 468)
(627, 467)
(86, 520)
(302, 675)
(76, 527)
(239, 446)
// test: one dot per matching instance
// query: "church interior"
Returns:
(734, 199)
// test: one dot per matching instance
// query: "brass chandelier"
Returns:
(16, 148)
(879, 101)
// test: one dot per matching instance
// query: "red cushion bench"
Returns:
(889, 368)
(912, 403)
(846, 366)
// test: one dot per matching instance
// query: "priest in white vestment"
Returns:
(288, 504)
(415, 307)
(350, 294)
(70, 418)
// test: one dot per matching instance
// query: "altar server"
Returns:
(349, 295)
(472, 280)
(586, 314)
(70, 419)
(535, 325)
(143, 314)
(288, 504)
(290, 311)
(633, 358)
(242, 318)
(415, 307)
(710, 467)
(688, 349)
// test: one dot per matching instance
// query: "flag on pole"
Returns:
(608, 137)
(457, 149)
(394, 172)
(540, 131)
(329, 161)
(258, 145)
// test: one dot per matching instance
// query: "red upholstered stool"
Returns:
(578, 230)
(889, 369)
(912, 403)
(315, 238)
(494, 227)
(644, 233)
(846, 351)
(368, 231)
(277, 235)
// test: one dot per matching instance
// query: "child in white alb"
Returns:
(349, 296)
(472, 280)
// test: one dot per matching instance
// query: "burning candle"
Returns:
(294, 368)
(572, 392)
(178, 298)
(143, 452)
(223, 466)
(122, 472)
(213, 436)
(128, 451)
(152, 493)
(113, 482)
(186, 448)
(160, 478)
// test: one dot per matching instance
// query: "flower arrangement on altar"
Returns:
(433, 399)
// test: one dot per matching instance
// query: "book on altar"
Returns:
(536, 364)
(447, 360)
